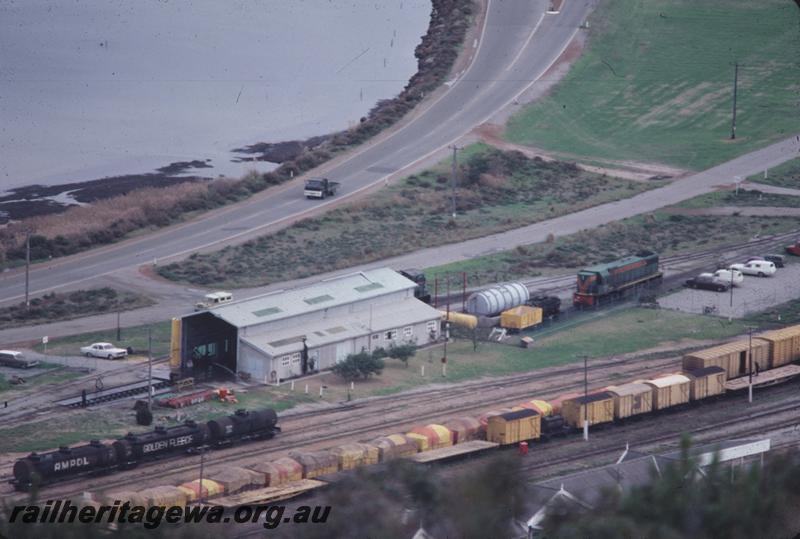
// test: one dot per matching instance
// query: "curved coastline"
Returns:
(436, 54)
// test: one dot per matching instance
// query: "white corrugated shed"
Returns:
(334, 292)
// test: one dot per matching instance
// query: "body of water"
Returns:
(97, 88)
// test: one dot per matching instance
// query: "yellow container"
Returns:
(784, 345)
(460, 319)
(734, 357)
(514, 427)
(165, 496)
(596, 407)
(521, 317)
(543, 407)
(210, 489)
(175, 346)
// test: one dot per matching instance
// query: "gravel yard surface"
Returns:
(753, 295)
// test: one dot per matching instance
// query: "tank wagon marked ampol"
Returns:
(129, 451)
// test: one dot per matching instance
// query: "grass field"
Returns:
(666, 233)
(655, 83)
(497, 191)
(57, 375)
(57, 306)
(743, 198)
(134, 337)
(785, 175)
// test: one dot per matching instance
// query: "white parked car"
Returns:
(725, 275)
(761, 268)
(104, 350)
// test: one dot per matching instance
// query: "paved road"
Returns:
(519, 42)
(178, 299)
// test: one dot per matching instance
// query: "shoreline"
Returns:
(35, 200)
(436, 54)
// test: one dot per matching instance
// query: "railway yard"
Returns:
(442, 340)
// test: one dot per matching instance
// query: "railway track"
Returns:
(461, 400)
(724, 254)
(335, 431)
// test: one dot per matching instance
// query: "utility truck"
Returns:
(320, 188)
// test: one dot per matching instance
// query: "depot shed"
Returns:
(734, 357)
(596, 407)
(670, 390)
(291, 333)
(631, 399)
(784, 345)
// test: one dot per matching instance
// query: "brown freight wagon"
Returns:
(513, 427)
(596, 407)
(669, 391)
(706, 383)
(631, 399)
(733, 357)
(784, 346)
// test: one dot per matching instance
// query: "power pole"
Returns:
(27, 269)
(454, 178)
(586, 398)
(202, 462)
(150, 370)
(735, 89)
(750, 356)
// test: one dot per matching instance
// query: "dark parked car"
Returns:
(707, 282)
(775, 259)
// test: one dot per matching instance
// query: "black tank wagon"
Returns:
(134, 448)
(66, 462)
(243, 425)
(129, 451)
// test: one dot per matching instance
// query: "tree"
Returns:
(403, 352)
(360, 365)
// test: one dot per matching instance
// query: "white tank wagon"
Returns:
(497, 299)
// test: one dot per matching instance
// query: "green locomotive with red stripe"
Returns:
(612, 280)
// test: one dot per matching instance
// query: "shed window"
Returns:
(375, 336)
(391, 335)
(285, 360)
(296, 357)
(408, 331)
(431, 326)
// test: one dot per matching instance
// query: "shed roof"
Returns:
(382, 318)
(670, 380)
(316, 297)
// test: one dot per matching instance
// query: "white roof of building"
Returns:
(382, 318)
(316, 297)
